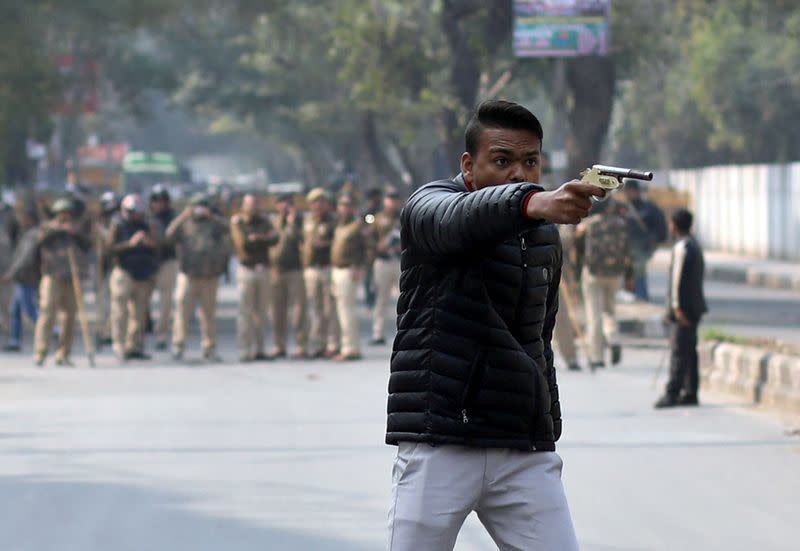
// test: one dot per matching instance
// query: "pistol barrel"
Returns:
(618, 172)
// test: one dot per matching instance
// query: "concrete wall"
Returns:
(749, 209)
(758, 376)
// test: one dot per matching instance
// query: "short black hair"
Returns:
(499, 114)
(683, 220)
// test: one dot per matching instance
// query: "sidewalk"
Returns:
(730, 268)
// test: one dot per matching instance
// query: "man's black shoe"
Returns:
(574, 367)
(261, 357)
(135, 355)
(616, 354)
(12, 348)
(161, 345)
(597, 365)
(377, 342)
(687, 400)
(667, 401)
(210, 356)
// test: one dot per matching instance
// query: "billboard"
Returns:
(561, 28)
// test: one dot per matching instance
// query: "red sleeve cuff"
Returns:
(526, 201)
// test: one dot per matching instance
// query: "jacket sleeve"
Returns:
(174, 231)
(24, 255)
(440, 219)
(547, 338)
(237, 237)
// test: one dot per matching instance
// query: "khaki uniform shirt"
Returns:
(317, 239)
(349, 247)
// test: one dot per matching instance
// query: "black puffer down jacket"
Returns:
(472, 362)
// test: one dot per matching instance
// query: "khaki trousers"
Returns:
(564, 332)
(254, 298)
(518, 496)
(345, 286)
(289, 293)
(103, 307)
(55, 296)
(599, 296)
(188, 292)
(129, 299)
(386, 276)
(324, 330)
(165, 287)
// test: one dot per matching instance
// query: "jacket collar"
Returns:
(460, 181)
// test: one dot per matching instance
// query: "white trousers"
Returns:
(518, 497)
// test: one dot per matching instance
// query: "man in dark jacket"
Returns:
(646, 229)
(686, 305)
(24, 273)
(133, 249)
(472, 391)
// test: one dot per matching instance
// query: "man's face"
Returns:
(134, 216)
(632, 194)
(282, 206)
(249, 206)
(673, 231)
(504, 156)
(158, 206)
(391, 204)
(319, 207)
(345, 210)
(64, 217)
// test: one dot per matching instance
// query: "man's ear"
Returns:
(466, 167)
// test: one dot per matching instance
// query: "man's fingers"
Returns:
(587, 190)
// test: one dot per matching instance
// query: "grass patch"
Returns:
(773, 345)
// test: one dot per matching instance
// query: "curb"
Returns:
(754, 277)
(752, 373)
(782, 390)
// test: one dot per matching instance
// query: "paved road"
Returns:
(290, 456)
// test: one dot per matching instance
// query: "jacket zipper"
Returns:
(524, 256)
(476, 375)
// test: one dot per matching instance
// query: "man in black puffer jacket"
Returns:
(473, 391)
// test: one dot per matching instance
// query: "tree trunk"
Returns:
(591, 81)
(465, 76)
(384, 169)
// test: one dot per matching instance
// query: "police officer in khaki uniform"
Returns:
(109, 207)
(603, 237)
(203, 243)
(385, 232)
(349, 258)
(133, 249)
(56, 292)
(568, 297)
(318, 230)
(252, 235)
(288, 287)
